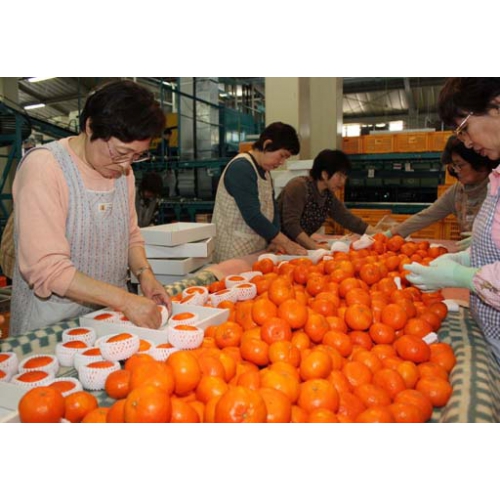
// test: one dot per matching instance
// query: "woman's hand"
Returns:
(287, 246)
(154, 290)
(142, 311)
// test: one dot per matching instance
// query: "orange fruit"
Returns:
(358, 317)
(376, 414)
(228, 334)
(117, 385)
(148, 404)
(41, 405)
(293, 312)
(357, 373)
(186, 370)
(437, 389)
(412, 348)
(78, 404)
(275, 329)
(394, 315)
(372, 395)
(390, 380)
(263, 309)
(416, 398)
(278, 406)
(443, 355)
(316, 364)
(382, 333)
(183, 412)
(256, 351)
(316, 327)
(240, 405)
(405, 413)
(116, 413)
(318, 393)
(210, 387)
(98, 415)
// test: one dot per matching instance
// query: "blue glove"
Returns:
(462, 258)
(465, 243)
(388, 233)
(443, 274)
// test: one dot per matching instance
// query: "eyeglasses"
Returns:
(462, 128)
(457, 167)
(129, 158)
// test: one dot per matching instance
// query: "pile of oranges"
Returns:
(336, 341)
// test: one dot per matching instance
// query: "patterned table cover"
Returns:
(475, 378)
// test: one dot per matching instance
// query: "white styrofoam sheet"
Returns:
(207, 316)
(10, 395)
(177, 233)
(178, 267)
(203, 248)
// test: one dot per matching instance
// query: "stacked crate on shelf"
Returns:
(450, 228)
(432, 232)
(371, 216)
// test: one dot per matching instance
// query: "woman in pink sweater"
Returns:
(76, 229)
(472, 105)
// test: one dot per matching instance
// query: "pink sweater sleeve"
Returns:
(41, 200)
(41, 204)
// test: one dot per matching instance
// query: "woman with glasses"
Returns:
(244, 212)
(472, 105)
(463, 199)
(306, 201)
(76, 226)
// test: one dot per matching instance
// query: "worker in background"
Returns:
(463, 199)
(306, 201)
(163, 150)
(76, 226)
(245, 212)
(147, 200)
(472, 105)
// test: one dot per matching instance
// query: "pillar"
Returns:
(312, 105)
(10, 96)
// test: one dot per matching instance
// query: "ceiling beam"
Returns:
(359, 85)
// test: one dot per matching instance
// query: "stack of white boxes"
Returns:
(178, 249)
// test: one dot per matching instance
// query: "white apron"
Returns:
(234, 237)
(97, 229)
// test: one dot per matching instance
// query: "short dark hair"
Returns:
(281, 135)
(124, 110)
(330, 161)
(152, 181)
(461, 96)
(476, 161)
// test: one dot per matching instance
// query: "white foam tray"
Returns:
(207, 316)
(177, 233)
(202, 248)
(10, 395)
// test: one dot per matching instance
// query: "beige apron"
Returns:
(97, 229)
(234, 237)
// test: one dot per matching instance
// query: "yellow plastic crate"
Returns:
(352, 145)
(451, 229)
(438, 140)
(383, 143)
(411, 142)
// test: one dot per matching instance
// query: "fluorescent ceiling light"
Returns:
(35, 106)
(35, 79)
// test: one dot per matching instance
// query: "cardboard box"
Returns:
(177, 233)
(203, 248)
(178, 267)
(10, 395)
(207, 316)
